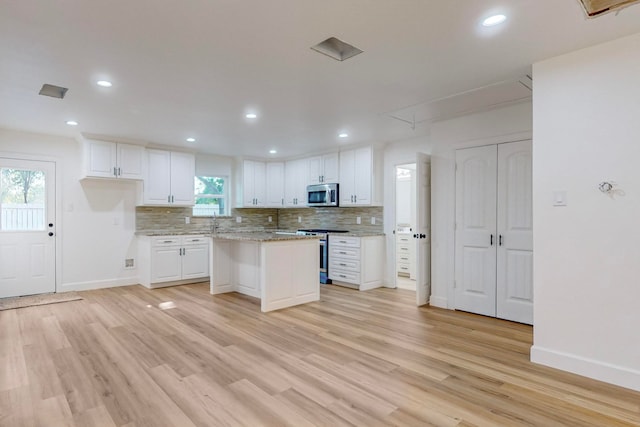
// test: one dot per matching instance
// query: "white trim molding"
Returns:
(618, 375)
(98, 284)
(440, 302)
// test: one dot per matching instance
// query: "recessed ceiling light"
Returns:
(72, 123)
(273, 151)
(251, 115)
(494, 20)
(343, 135)
(191, 140)
(104, 83)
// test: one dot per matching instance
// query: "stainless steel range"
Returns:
(324, 249)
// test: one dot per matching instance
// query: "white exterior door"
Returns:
(515, 233)
(27, 227)
(476, 237)
(423, 229)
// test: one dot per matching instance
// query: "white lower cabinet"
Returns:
(405, 255)
(172, 260)
(356, 262)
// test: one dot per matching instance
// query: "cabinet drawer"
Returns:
(165, 241)
(345, 264)
(343, 252)
(403, 239)
(194, 240)
(403, 249)
(403, 258)
(353, 242)
(345, 276)
(403, 268)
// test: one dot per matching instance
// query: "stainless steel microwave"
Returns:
(322, 195)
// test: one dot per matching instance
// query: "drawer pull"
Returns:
(405, 259)
(342, 275)
(342, 241)
(168, 241)
(342, 252)
(343, 264)
(195, 240)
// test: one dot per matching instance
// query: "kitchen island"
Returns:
(280, 269)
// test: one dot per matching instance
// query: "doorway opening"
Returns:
(405, 264)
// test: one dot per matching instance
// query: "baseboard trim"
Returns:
(439, 302)
(602, 371)
(97, 284)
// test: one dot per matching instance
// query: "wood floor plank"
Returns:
(115, 359)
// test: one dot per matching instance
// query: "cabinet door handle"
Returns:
(491, 240)
(115, 171)
(500, 240)
(355, 198)
(119, 172)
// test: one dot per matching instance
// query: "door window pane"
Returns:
(22, 199)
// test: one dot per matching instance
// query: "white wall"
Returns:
(586, 255)
(397, 153)
(511, 123)
(96, 223)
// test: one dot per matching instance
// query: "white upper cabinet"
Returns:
(323, 169)
(295, 187)
(104, 159)
(275, 184)
(357, 183)
(169, 178)
(253, 184)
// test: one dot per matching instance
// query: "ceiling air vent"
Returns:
(598, 7)
(336, 49)
(53, 91)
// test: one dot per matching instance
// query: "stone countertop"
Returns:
(250, 234)
(152, 233)
(260, 236)
(359, 234)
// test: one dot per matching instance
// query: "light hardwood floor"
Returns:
(354, 358)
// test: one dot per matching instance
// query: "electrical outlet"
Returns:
(238, 219)
(129, 263)
(358, 220)
(373, 220)
(187, 220)
(299, 219)
(270, 219)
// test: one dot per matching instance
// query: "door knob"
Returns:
(50, 224)
(50, 234)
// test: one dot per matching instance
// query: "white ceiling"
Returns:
(194, 67)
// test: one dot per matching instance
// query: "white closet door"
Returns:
(476, 237)
(515, 233)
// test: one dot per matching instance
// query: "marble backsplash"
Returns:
(172, 219)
